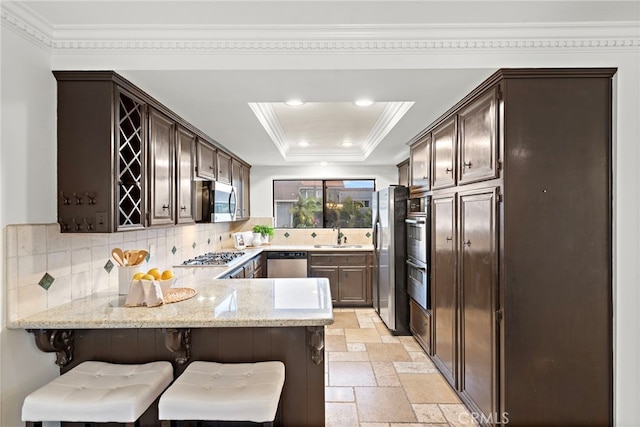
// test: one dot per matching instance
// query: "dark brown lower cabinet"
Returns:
(478, 299)
(331, 273)
(420, 325)
(464, 292)
(252, 269)
(349, 275)
(443, 285)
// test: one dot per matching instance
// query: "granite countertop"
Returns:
(217, 303)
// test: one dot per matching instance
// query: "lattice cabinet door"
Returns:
(130, 183)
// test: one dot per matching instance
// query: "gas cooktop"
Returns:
(213, 259)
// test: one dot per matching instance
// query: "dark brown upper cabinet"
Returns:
(206, 161)
(224, 167)
(102, 154)
(420, 165)
(125, 161)
(161, 168)
(185, 148)
(403, 173)
(478, 140)
(444, 154)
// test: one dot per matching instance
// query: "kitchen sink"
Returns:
(338, 246)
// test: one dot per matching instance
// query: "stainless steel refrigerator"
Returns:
(390, 298)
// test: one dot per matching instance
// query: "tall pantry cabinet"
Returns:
(521, 258)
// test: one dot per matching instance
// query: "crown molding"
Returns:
(320, 39)
(25, 23)
(269, 121)
(390, 116)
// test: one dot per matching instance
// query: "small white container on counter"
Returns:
(125, 274)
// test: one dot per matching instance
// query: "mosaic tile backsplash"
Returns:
(45, 268)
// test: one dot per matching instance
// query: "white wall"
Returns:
(28, 194)
(262, 180)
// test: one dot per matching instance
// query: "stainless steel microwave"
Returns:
(215, 202)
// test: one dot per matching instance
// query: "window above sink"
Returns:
(323, 203)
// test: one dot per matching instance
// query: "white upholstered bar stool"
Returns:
(211, 391)
(98, 392)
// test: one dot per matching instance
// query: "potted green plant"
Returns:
(262, 234)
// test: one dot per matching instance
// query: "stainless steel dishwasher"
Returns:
(286, 264)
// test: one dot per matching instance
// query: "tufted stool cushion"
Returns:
(99, 392)
(224, 392)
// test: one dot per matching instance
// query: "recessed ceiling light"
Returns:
(363, 102)
(303, 144)
(294, 103)
(347, 144)
(323, 163)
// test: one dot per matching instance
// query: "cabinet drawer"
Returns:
(420, 325)
(339, 259)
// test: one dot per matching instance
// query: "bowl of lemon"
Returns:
(165, 278)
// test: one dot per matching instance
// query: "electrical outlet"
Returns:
(101, 221)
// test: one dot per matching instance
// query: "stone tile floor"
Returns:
(375, 379)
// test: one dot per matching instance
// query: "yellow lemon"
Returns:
(148, 277)
(155, 273)
(138, 276)
(167, 274)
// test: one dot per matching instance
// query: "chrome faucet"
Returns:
(340, 235)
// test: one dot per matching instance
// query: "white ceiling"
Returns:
(224, 51)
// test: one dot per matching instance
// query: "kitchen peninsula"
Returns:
(244, 320)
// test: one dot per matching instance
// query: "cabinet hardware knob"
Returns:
(183, 208)
(467, 164)
(449, 238)
(210, 167)
(165, 207)
(449, 170)
(425, 177)
(467, 243)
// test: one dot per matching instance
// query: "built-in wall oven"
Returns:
(417, 251)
